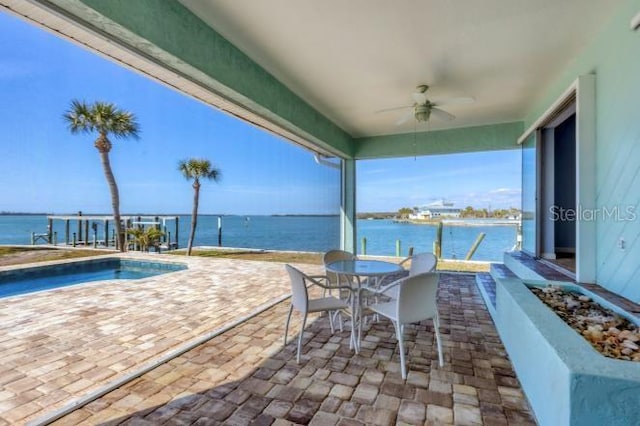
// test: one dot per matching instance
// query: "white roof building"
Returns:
(438, 209)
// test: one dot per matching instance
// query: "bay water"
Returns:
(302, 233)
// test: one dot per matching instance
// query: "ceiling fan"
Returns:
(423, 108)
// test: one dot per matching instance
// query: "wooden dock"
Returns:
(86, 230)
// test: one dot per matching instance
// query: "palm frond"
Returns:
(103, 117)
(197, 168)
(78, 117)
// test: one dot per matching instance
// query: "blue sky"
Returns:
(483, 180)
(43, 168)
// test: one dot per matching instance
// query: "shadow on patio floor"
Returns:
(244, 376)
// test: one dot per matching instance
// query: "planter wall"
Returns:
(566, 381)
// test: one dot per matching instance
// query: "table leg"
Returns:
(360, 319)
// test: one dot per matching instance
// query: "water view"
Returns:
(303, 233)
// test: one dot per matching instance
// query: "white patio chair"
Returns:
(333, 280)
(416, 302)
(301, 302)
(420, 263)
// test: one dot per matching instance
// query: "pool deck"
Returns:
(60, 346)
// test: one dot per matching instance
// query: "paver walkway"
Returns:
(58, 345)
(245, 376)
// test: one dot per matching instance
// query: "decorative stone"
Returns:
(611, 334)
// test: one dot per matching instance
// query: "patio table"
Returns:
(358, 269)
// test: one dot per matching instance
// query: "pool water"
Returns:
(32, 279)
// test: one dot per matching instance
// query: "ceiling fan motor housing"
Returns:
(422, 112)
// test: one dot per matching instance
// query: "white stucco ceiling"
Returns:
(349, 59)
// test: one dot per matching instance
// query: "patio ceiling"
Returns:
(349, 59)
(317, 73)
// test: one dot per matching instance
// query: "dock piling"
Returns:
(94, 226)
(363, 250)
(437, 244)
(176, 238)
(83, 236)
(79, 229)
(475, 245)
(398, 248)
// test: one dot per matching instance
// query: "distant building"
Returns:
(438, 210)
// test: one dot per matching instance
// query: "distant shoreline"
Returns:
(168, 214)
(23, 214)
(360, 216)
(462, 222)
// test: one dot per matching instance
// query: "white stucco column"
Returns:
(348, 206)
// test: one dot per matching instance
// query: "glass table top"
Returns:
(363, 267)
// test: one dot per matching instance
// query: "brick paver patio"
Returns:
(245, 376)
(59, 345)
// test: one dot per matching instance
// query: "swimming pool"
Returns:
(38, 278)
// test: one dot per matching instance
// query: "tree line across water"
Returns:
(469, 212)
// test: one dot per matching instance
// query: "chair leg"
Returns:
(403, 368)
(286, 326)
(304, 323)
(354, 314)
(436, 325)
(359, 319)
(330, 315)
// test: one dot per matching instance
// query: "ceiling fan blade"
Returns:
(442, 115)
(419, 98)
(462, 100)
(404, 118)
(394, 108)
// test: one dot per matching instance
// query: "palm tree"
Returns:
(145, 238)
(196, 169)
(107, 120)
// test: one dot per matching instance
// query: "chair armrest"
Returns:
(312, 279)
(385, 288)
(318, 277)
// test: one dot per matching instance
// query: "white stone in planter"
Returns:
(566, 380)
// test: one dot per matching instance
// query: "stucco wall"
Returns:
(170, 34)
(614, 57)
(465, 139)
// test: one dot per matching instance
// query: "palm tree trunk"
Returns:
(194, 215)
(115, 198)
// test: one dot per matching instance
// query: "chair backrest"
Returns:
(423, 262)
(334, 256)
(299, 293)
(417, 298)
